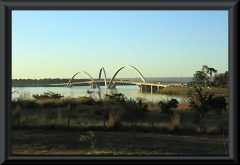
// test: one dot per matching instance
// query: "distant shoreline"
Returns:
(46, 81)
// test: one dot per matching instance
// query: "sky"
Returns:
(159, 43)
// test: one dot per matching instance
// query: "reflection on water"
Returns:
(130, 91)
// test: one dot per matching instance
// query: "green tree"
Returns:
(89, 137)
(219, 104)
(221, 79)
(211, 71)
(113, 106)
(105, 106)
(134, 111)
(206, 70)
(205, 73)
(168, 107)
(117, 98)
(198, 77)
(203, 103)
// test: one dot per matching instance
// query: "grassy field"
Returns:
(54, 127)
(90, 118)
(56, 142)
(45, 132)
(185, 90)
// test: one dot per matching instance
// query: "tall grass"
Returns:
(54, 114)
(175, 123)
(53, 103)
(152, 106)
(114, 121)
(212, 129)
(183, 106)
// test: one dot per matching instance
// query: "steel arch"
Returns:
(105, 79)
(78, 73)
(126, 66)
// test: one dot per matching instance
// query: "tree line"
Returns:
(41, 82)
(205, 77)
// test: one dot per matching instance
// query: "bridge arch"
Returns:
(105, 78)
(126, 66)
(78, 73)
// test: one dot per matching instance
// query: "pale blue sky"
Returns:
(57, 44)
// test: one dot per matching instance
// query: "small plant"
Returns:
(175, 122)
(89, 136)
(133, 113)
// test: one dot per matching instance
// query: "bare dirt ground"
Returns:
(66, 142)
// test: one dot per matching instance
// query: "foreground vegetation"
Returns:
(116, 117)
(116, 113)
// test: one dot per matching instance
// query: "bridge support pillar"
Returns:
(147, 88)
(113, 86)
(91, 85)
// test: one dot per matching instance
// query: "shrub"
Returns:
(89, 136)
(15, 111)
(85, 101)
(212, 130)
(189, 128)
(195, 118)
(50, 103)
(25, 104)
(202, 103)
(48, 95)
(30, 104)
(169, 106)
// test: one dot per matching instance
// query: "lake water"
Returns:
(130, 91)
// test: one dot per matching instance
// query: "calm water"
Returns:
(130, 91)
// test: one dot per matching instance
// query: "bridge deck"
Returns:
(117, 82)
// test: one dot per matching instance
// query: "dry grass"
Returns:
(183, 106)
(185, 90)
(85, 116)
(175, 122)
(153, 106)
(65, 102)
(16, 110)
(212, 130)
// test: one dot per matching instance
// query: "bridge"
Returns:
(110, 84)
